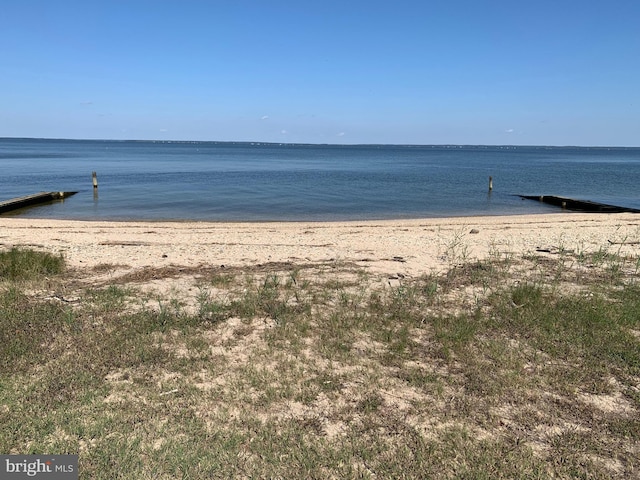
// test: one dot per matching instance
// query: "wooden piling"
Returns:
(94, 176)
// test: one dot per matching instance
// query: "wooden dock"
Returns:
(579, 205)
(30, 200)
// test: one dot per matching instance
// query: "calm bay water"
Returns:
(264, 182)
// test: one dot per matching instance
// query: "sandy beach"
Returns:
(408, 247)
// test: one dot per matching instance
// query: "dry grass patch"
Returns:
(502, 368)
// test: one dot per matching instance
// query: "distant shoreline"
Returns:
(338, 145)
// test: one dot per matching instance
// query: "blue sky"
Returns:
(559, 72)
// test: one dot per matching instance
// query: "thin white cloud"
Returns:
(284, 132)
(264, 117)
(509, 130)
(341, 134)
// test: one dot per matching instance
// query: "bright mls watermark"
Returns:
(49, 467)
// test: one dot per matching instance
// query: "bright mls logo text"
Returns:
(51, 467)
(30, 468)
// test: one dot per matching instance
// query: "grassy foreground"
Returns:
(502, 368)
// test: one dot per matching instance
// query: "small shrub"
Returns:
(24, 264)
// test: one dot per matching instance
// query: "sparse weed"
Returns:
(456, 249)
(210, 309)
(111, 299)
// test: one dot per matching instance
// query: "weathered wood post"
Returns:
(490, 183)
(94, 176)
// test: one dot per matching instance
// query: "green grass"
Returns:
(28, 328)
(25, 264)
(526, 368)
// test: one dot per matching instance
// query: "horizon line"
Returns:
(259, 142)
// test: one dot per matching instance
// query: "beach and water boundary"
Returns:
(255, 203)
(209, 181)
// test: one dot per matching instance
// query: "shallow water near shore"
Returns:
(268, 182)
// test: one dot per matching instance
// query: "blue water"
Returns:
(244, 181)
